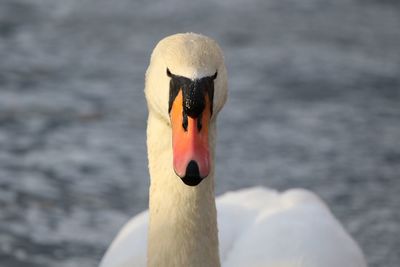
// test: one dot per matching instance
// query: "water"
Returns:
(314, 90)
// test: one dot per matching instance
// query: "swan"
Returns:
(185, 88)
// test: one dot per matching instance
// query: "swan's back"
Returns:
(259, 227)
(262, 227)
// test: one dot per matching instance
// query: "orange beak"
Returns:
(191, 155)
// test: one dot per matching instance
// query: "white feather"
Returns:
(259, 227)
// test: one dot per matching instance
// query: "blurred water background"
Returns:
(314, 102)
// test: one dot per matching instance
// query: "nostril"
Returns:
(185, 121)
(199, 124)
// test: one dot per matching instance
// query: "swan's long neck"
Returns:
(183, 222)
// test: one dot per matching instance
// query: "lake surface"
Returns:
(314, 102)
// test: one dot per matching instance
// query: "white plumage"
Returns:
(257, 227)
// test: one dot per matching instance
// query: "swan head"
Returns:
(186, 86)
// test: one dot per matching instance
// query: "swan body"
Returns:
(256, 226)
(259, 227)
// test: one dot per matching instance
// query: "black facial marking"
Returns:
(214, 76)
(193, 93)
(174, 87)
(193, 98)
(169, 74)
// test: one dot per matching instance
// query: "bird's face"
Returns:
(190, 90)
(190, 110)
